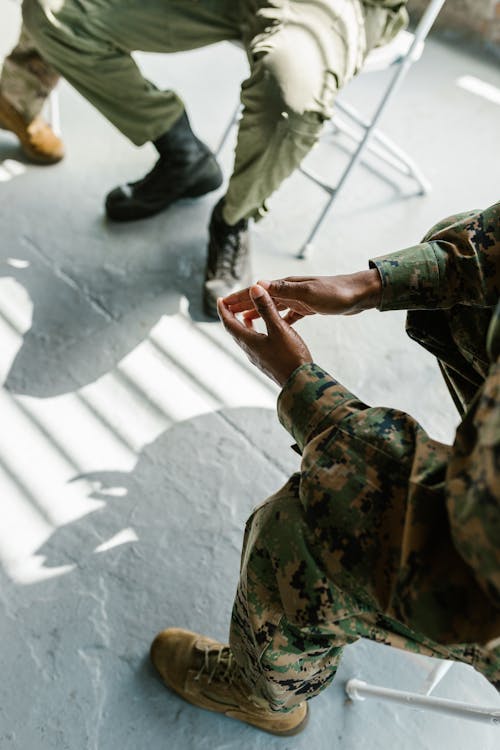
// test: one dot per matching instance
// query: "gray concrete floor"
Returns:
(136, 439)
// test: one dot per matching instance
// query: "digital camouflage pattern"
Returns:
(387, 534)
(27, 79)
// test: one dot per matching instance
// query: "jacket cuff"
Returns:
(411, 278)
(308, 397)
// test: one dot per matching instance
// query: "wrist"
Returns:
(286, 372)
(367, 290)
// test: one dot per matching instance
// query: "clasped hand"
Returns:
(279, 352)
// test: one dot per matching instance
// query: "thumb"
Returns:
(285, 289)
(265, 306)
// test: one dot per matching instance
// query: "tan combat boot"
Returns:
(38, 140)
(204, 673)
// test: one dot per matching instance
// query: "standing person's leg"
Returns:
(92, 48)
(26, 82)
(300, 54)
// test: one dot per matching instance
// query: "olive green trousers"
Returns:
(300, 53)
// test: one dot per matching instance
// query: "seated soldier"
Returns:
(25, 84)
(385, 533)
(300, 52)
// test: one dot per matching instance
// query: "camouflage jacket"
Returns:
(406, 529)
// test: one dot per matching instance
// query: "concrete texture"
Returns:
(136, 438)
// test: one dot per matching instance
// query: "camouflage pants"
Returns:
(290, 621)
(283, 663)
(27, 79)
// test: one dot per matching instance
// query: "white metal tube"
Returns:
(390, 152)
(426, 22)
(385, 155)
(359, 690)
(54, 114)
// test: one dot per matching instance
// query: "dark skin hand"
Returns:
(279, 351)
(303, 295)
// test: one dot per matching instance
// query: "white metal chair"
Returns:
(53, 112)
(400, 54)
(358, 690)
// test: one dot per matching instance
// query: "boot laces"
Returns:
(218, 665)
(231, 256)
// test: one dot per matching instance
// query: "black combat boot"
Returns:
(228, 266)
(186, 169)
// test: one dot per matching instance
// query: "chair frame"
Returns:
(53, 112)
(372, 139)
(358, 690)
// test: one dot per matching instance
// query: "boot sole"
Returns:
(234, 715)
(206, 184)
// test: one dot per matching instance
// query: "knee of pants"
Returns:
(59, 30)
(297, 79)
(35, 19)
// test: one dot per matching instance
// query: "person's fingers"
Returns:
(243, 306)
(238, 298)
(266, 307)
(231, 323)
(253, 314)
(292, 317)
(293, 287)
(250, 315)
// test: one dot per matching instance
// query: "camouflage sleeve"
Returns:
(473, 478)
(458, 262)
(359, 466)
(310, 399)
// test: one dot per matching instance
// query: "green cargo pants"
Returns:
(300, 53)
(27, 79)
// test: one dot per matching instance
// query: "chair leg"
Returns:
(233, 121)
(360, 690)
(54, 112)
(401, 161)
(307, 248)
(401, 71)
